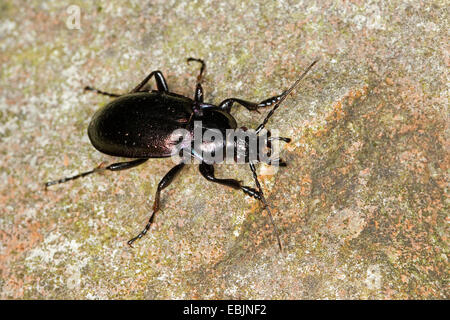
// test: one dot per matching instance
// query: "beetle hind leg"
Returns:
(113, 95)
(164, 183)
(112, 167)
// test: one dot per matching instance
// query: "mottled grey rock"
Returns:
(361, 207)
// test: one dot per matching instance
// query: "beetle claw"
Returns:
(130, 242)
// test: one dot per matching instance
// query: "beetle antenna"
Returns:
(266, 205)
(283, 97)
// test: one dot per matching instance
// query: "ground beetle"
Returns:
(139, 124)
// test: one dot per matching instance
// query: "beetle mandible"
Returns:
(139, 125)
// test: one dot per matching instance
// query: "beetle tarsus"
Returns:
(113, 95)
(101, 167)
(198, 95)
(164, 183)
(202, 68)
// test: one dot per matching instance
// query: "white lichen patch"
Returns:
(374, 277)
(70, 242)
(347, 223)
(51, 245)
(238, 219)
(54, 253)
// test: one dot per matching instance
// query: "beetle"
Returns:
(139, 125)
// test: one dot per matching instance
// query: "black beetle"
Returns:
(139, 125)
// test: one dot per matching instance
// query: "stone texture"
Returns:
(362, 207)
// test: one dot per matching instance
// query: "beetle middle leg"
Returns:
(164, 183)
(112, 167)
(161, 83)
(207, 171)
(198, 96)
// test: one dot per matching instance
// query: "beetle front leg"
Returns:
(164, 183)
(252, 106)
(207, 171)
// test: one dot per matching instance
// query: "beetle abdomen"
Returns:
(140, 125)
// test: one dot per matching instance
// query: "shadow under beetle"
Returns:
(139, 125)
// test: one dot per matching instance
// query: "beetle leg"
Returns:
(161, 83)
(202, 69)
(207, 171)
(114, 95)
(165, 182)
(252, 106)
(198, 96)
(278, 162)
(284, 139)
(112, 167)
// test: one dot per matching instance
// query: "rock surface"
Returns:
(362, 207)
